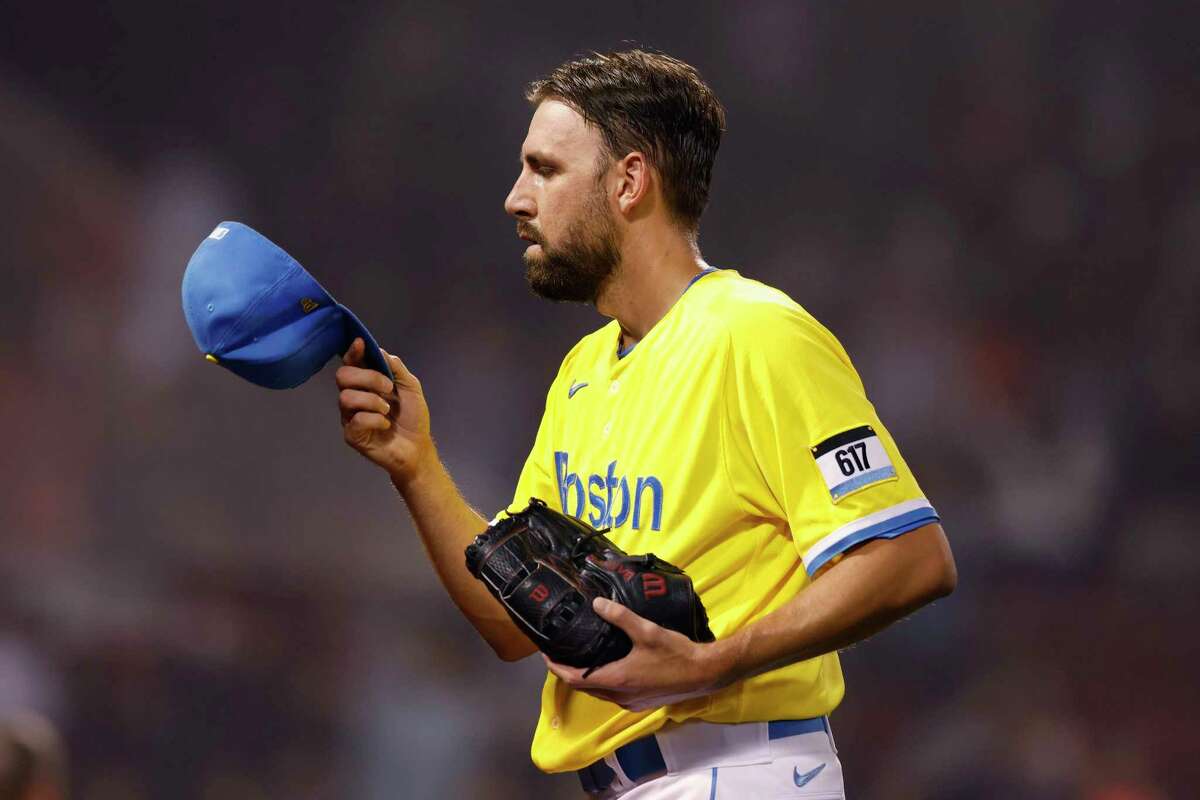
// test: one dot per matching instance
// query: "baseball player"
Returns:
(713, 422)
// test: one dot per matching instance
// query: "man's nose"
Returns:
(519, 203)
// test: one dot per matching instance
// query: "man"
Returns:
(713, 422)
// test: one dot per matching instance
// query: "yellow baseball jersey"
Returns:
(735, 441)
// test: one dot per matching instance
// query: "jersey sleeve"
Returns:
(805, 445)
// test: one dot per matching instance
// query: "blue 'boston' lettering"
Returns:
(612, 483)
(565, 481)
(656, 498)
(607, 496)
(597, 501)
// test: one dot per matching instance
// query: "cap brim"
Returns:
(287, 357)
(373, 357)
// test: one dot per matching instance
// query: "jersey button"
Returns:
(555, 722)
(612, 389)
(607, 428)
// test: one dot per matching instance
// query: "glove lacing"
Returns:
(587, 537)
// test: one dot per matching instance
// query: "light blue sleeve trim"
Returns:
(888, 529)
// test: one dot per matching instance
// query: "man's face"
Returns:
(562, 209)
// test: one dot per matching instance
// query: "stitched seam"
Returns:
(726, 423)
(316, 332)
(236, 326)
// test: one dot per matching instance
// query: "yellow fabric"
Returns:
(696, 446)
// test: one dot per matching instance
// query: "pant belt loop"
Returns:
(829, 732)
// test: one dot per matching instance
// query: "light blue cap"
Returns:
(255, 311)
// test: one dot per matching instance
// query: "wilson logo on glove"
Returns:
(653, 585)
(545, 568)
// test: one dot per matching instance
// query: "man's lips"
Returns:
(528, 237)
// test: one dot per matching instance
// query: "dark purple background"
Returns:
(996, 206)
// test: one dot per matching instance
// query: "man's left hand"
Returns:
(663, 667)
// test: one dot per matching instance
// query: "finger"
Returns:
(637, 627)
(607, 678)
(572, 676)
(403, 376)
(568, 674)
(352, 400)
(639, 705)
(610, 697)
(365, 379)
(368, 421)
(354, 356)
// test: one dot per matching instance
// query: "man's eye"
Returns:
(545, 172)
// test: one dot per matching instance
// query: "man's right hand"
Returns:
(389, 424)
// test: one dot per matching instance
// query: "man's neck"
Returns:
(653, 274)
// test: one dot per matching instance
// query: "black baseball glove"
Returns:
(545, 568)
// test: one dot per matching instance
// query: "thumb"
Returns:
(637, 627)
(354, 355)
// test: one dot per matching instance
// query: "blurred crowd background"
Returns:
(996, 207)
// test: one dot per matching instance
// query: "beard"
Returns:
(576, 269)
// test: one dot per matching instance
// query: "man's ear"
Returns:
(634, 178)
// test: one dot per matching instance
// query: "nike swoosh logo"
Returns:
(803, 780)
(574, 388)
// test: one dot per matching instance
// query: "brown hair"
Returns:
(653, 103)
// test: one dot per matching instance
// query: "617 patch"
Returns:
(852, 460)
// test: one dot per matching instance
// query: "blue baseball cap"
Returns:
(255, 311)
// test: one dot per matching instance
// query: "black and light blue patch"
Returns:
(852, 460)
